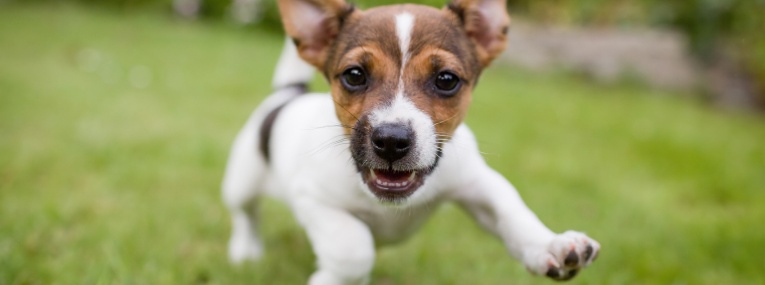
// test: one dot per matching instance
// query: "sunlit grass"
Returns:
(106, 180)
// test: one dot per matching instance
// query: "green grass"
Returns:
(102, 182)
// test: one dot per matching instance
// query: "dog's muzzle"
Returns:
(387, 157)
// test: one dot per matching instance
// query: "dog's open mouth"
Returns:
(392, 185)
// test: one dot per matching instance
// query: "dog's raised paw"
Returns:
(566, 255)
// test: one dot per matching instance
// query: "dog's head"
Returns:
(401, 77)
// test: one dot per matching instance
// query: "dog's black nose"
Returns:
(391, 141)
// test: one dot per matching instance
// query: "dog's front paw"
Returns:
(565, 256)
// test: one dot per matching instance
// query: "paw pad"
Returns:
(574, 251)
(571, 259)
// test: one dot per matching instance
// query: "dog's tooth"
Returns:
(374, 176)
(385, 183)
(398, 184)
(403, 183)
(411, 177)
(378, 181)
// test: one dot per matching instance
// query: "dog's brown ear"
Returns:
(313, 24)
(486, 23)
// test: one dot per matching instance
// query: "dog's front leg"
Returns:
(343, 244)
(495, 203)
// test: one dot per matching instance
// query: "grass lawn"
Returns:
(114, 130)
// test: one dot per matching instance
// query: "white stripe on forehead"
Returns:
(404, 24)
(401, 110)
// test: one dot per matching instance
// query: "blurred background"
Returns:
(639, 122)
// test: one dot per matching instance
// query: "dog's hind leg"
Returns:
(242, 185)
(244, 181)
(248, 165)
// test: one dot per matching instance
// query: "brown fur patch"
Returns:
(446, 112)
(486, 23)
(438, 43)
(314, 25)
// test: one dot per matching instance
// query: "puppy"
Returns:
(388, 139)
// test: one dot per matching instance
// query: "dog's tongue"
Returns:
(391, 177)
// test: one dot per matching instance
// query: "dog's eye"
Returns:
(447, 82)
(354, 78)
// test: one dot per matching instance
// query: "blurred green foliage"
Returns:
(704, 21)
(734, 27)
(707, 23)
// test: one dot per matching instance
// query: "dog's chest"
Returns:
(390, 224)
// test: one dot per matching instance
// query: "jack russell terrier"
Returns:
(387, 140)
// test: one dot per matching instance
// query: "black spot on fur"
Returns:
(268, 123)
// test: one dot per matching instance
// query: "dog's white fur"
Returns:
(344, 221)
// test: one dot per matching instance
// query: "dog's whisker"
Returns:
(341, 152)
(488, 153)
(335, 140)
(349, 112)
(340, 135)
(447, 119)
(330, 144)
(329, 147)
(333, 126)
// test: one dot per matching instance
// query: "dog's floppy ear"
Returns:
(486, 22)
(313, 24)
